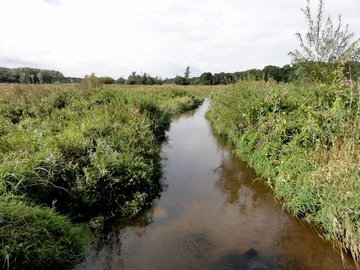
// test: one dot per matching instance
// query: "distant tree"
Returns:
(168, 80)
(158, 80)
(40, 76)
(107, 80)
(255, 74)
(149, 81)
(206, 78)
(229, 78)
(13, 76)
(218, 78)
(121, 80)
(144, 78)
(187, 73)
(179, 80)
(287, 74)
(3, 74)
(134, 79)
(24, 77)
(272, 72)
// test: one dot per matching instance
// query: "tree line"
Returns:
(285, 74)
(33, 75)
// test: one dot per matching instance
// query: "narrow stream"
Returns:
(212, 214)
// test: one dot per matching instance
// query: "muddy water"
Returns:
(212, 214)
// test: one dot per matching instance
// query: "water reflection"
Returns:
(248, 260)
(213, 214)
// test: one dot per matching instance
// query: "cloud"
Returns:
(53, 2)
(159, 37)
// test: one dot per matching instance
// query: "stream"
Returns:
(213, 213)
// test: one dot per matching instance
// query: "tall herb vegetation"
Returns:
(304, 139)
(76, 153)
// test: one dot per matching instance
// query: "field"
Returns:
(74, 155)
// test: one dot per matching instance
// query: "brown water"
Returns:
(212, 214)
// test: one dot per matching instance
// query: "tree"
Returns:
(206, 78)
(4, 74)
(149, 80)
(272, 72)
(24, 77)
(324, 46)
(187, 73)
(179, 80)
(107, 80)
(134, 79)
(121, 80)
(218, 78)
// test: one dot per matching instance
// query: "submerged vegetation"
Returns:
(77, 153)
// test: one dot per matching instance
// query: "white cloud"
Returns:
(159, 37)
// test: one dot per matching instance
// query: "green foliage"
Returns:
(120, 81)
(92, 81)
(179, 80)
(87, 152)
(107, 80)
(145, 79)
(206, 78)
(35, 237)
(323, 47)
(27, 75)
(187, 73)
(304, 142)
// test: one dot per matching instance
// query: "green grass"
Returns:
(35, 237)
(85, 152)
(303, 140)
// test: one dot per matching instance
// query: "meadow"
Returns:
(72, 156)
(304, 141)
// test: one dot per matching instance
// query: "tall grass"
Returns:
(83, 151)
(303, 140)
(35, 237)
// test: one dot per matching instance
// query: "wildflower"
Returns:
(345, 82)
(135, 110)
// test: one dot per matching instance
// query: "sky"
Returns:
(158, 37)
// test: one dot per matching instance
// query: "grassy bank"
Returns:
(77, 153)
(304, 141)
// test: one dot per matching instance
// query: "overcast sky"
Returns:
(159, 37)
